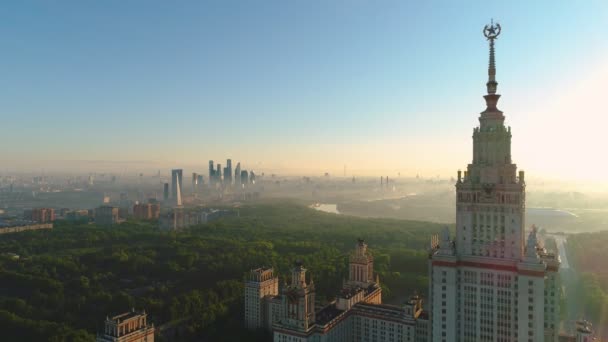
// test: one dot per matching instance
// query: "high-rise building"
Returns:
(127, 327)
(166, 192)
(251, 177)
(211, 173)
(237, 175)
(176, 183)
(260, 283)
(218, 174)
(490, 282)
(200, 181)
(244, 178)
(228, 172)
(194, 181)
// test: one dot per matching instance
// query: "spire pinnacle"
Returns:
(491, 32)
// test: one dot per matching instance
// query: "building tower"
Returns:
(260, 283)
(178, 196)
(194, 181)
(166, 192)
(218, 174)
(228, 172)
(361, 267)
(176, 182)
(211, 173)
(244, 178)
(488, 283)
(237, 175)
(299, 301)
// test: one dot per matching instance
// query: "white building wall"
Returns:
(530, 308)
(444, 314)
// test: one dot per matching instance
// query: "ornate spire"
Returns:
(491, 32)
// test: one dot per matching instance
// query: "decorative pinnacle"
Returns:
(491, 32)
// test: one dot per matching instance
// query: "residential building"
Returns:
(146, 211)
(179, 218)
(40, 215)
(106, 215)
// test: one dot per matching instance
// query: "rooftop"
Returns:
(127, 315)
(327, 314)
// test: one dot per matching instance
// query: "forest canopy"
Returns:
(65, 281)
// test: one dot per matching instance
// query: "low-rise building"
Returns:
(19, 226)
(179, 218)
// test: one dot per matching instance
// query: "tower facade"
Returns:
(260, 285)
(361, 266)
(228, 173)
(211, 173)
(237, 175)
(298, 305)
(176, 184)
(491, 282)
(356, 315)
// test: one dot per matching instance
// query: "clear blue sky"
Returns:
(278, 84)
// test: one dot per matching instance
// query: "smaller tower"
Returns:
(260, 283)
(361, 268)
(299, 301)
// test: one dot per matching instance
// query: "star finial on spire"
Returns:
(491, 32)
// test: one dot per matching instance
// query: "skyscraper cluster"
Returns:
(226, 178)
(219, 178)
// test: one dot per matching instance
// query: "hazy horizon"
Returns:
(300, 88)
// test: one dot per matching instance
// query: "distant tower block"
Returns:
(178, 196)
(218, 174)
(194, 181)
(166, 192)
(176, 181)
(211, 173)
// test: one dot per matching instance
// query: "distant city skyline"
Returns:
(299, 88)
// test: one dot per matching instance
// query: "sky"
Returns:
(300, 87)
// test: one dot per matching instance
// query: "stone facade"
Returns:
(127, 327)
(357, 313)
(490, 282)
